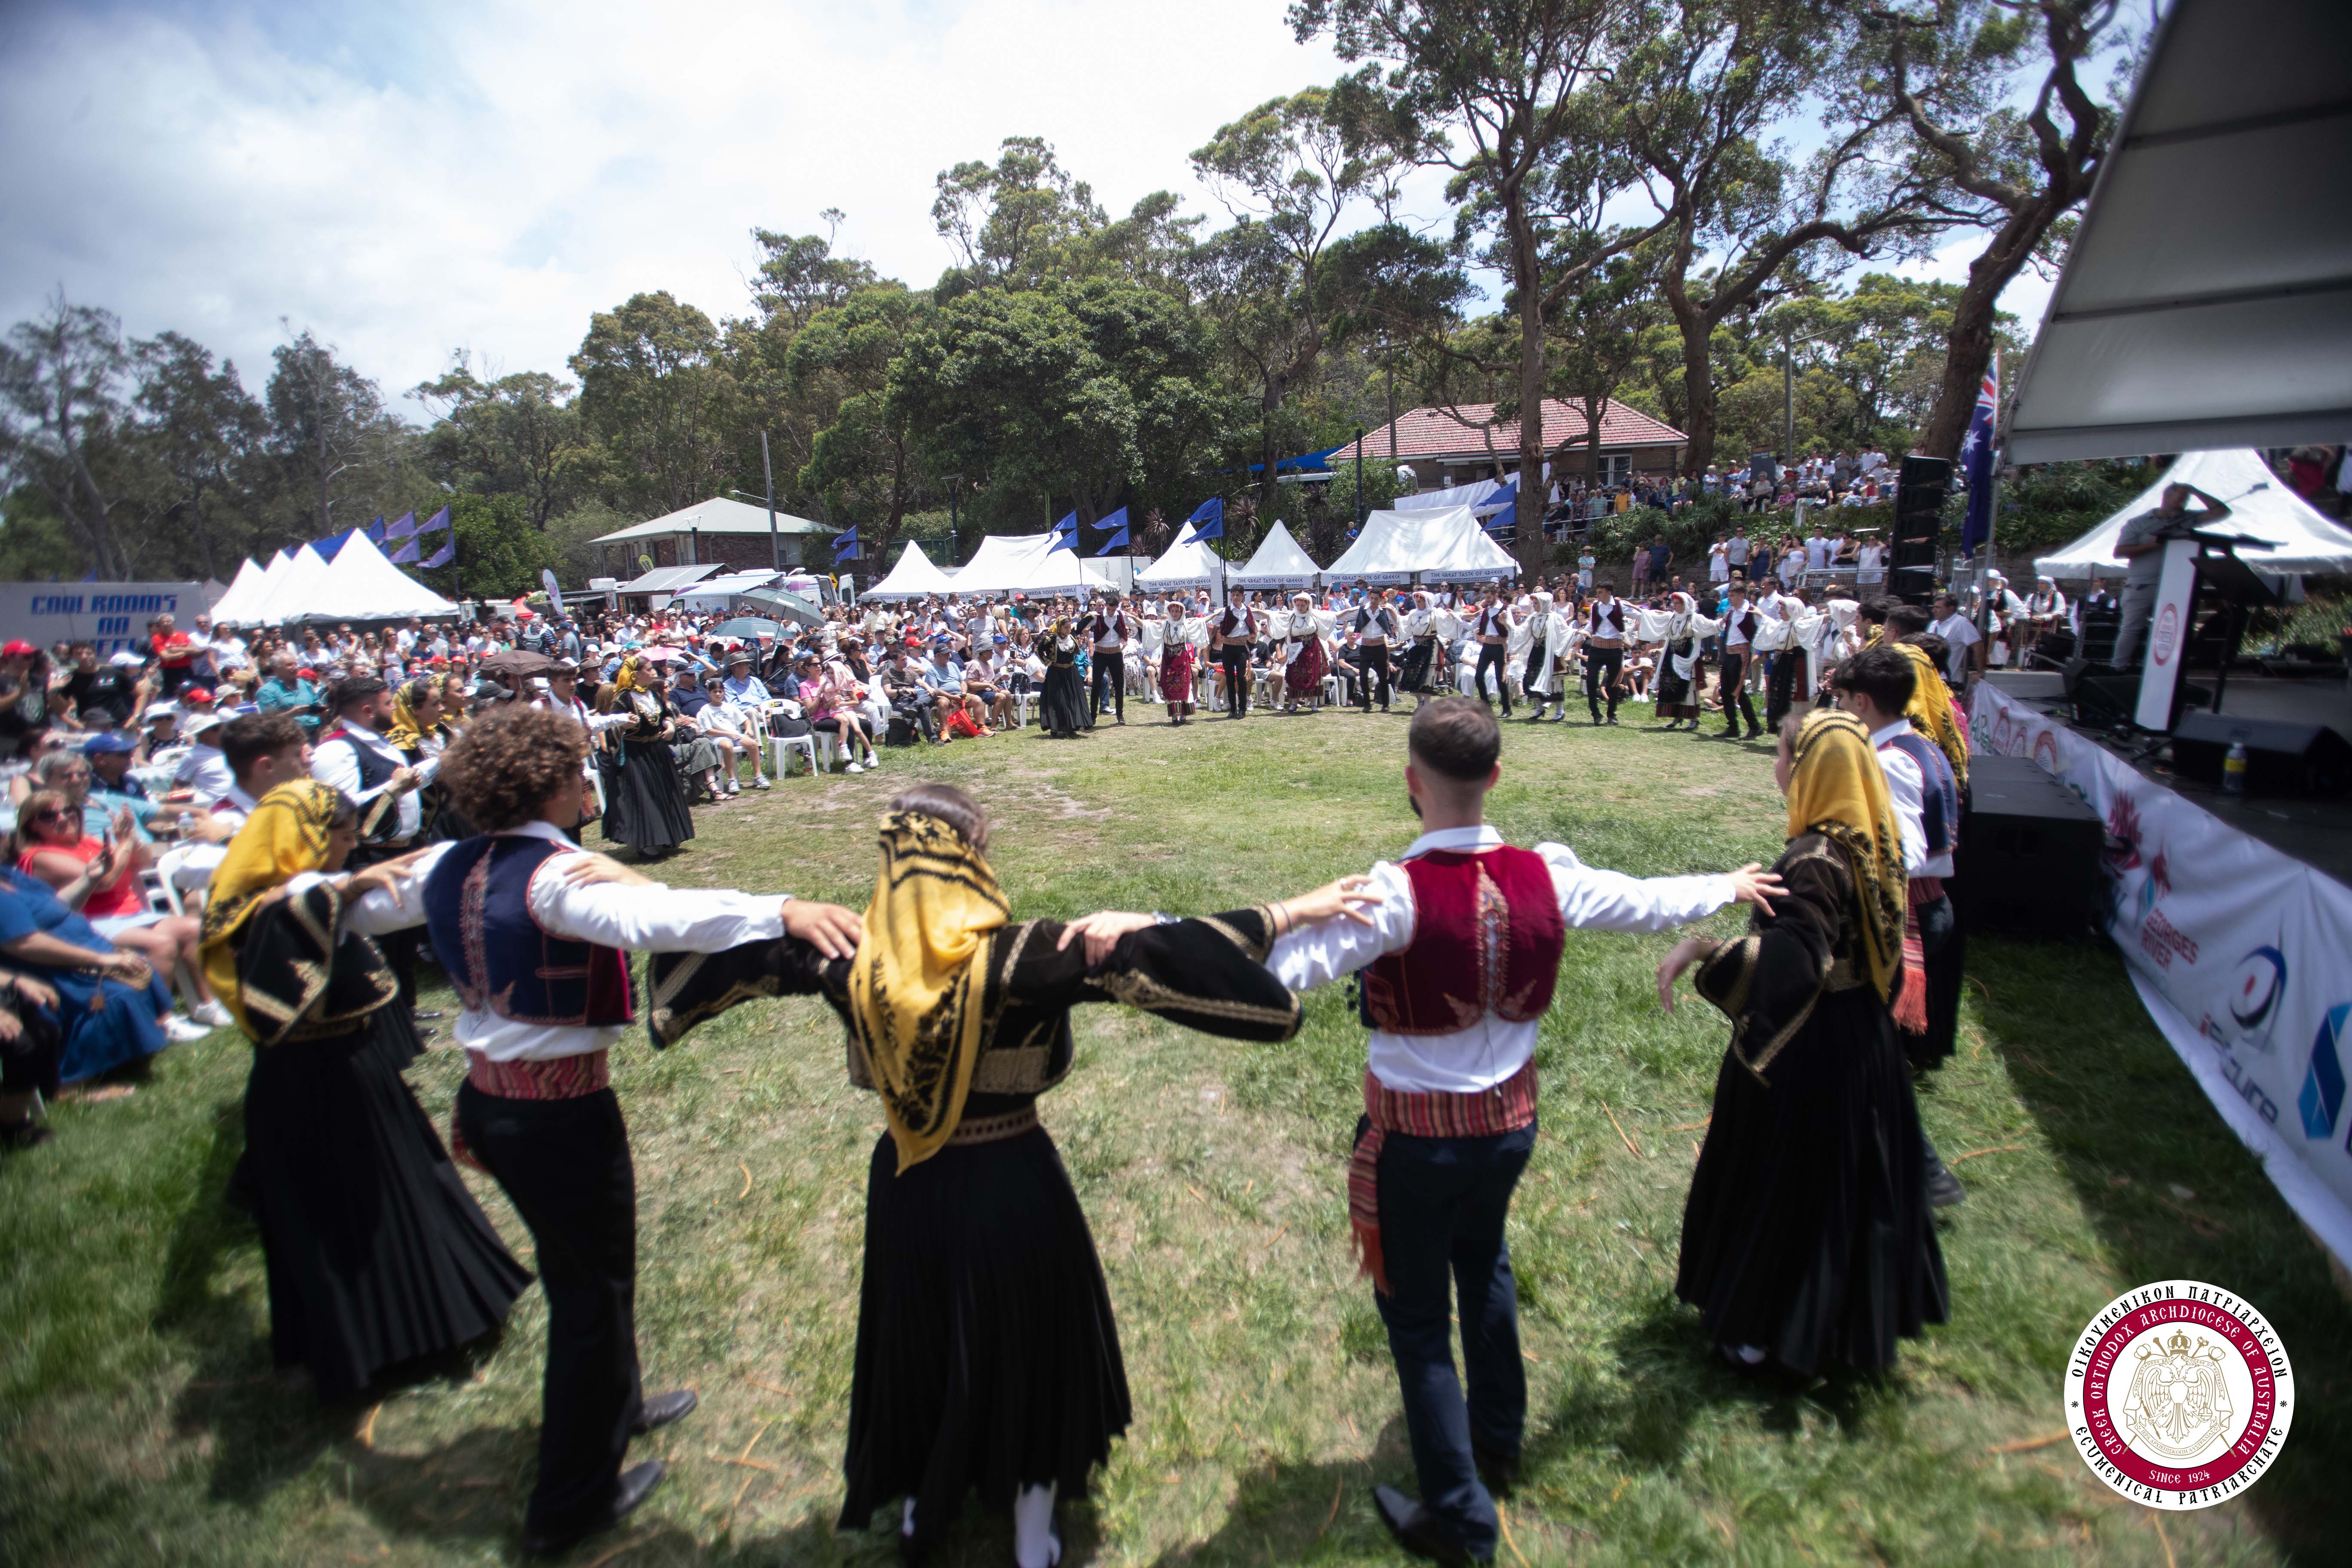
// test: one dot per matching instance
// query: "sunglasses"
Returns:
(54, 813)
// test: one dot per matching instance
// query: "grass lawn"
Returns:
(141, 1420)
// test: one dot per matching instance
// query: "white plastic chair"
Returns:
(827, 744)
(780, 745)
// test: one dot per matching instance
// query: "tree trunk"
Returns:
(1969, 345)
(1698, 370)
(1528, 513)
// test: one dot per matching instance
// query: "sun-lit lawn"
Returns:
(140, 1421)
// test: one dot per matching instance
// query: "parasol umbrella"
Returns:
(751, 627)
(791, 606)
(661, 653)
(519, 662)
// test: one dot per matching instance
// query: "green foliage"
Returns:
(656, 393)
(499, 554)
(2046, 506)
(519, 435)
(34, 545)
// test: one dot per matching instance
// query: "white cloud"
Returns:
(486, 175)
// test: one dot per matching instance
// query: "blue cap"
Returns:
(108, 741)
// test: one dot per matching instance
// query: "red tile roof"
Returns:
(1459, 432)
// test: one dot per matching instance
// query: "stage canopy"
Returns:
(2260, 506)
(2206, 301)
(227, 608)
(1277, 563)
(1436, 546)
(1023, 563)
(1189, 563)
(913, 577)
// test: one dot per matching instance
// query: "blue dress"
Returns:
(123, 1027)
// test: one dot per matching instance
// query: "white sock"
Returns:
(1035, 1545)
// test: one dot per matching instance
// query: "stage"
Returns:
(2316, 831)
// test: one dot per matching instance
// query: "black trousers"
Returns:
(28, 1064)
(1781, 686)
(1372, 666)
(1492, 655)
(1444, 1202)
(1603, 667)
(1731, 684)
(1110, 666)
(565, 1164)
(1233, 658)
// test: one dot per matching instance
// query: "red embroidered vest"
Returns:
(1486, 938)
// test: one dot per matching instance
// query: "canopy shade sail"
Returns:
(1277, 563)
(2261, 507)
(2206, 301)
(1436, 546)
(913, 577)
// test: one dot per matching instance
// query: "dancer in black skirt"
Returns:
(377, 1255)
(1061, 712)
(1806, 1240)
(644, 794)
(987, 1356)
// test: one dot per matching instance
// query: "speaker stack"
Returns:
(2029, 851)
(1919, 491)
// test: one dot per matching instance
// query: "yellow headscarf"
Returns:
(406, 732)
(284, 837)
(915, 1008)
(1930, 711)
(1837, 790)
(631, 676)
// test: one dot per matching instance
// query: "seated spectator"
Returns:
(832, 698)
(732, 729)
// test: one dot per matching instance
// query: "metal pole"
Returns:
(775, 542)
(1788, 400)
(955, 550)
(1360, 509)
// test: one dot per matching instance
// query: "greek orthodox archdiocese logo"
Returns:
(2167, 635)
(2179, 1395)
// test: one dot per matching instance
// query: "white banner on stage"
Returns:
(2243, 946)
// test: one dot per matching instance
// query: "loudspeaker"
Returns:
(2029, 851)
(2099, 629)
(1919, 492)
(2100, 698)
(2281, 758)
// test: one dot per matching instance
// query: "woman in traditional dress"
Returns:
(1177, 658)
(1806, 1238)
(1062, 711)
(377, 1255)
(1300, 633)
(987, 1356)
(644, 796)
(1679, 672)
(1419, 673)
(1544, 680)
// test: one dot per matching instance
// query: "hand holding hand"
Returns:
(1751, 884)
(833, 931)
(383, 875)
(402, 780)
(1685, 953)
(1102, 930)
(1349, 896)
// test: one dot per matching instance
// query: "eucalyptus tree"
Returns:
(657, 393)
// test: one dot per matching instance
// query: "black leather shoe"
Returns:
(1415, 1530)
(1944, 1188)
(663, 1408)
(1500, 1472)
(635, 1482)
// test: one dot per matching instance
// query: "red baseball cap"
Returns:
(19, 650)
(195, 694)
(307, 673)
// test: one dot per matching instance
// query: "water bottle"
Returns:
(2233, 769)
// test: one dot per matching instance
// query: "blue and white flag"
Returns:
(1207, 521)
(404, 527)
(1500, 508)
(446, 554)
(1976, 459)
(438, 520)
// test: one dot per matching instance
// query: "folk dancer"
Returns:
(358, 758)
(1740, 625)
(1304, 663)
(1450, 1107)
(1490, 628)
(1605, 622)
(1681, 669)
(1111, 630)
(1806, 1237)
(1543, 675)
(1426, 636)
(1230, 636)
(1179, 655)
(535, 934)
(987, 1354)
(1376, 628)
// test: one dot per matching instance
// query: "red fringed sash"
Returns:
(1505, 1107)
(1910, 1009)
(556, 1077)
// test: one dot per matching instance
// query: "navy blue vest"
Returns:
(478, 907)
(1940, 796)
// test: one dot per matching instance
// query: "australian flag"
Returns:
(1976, 459)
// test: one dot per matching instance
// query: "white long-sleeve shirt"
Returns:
(337, 767)
(1907, 788)
(636, 920)
(1493, 1048)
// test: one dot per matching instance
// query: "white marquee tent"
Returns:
(911, 578)
(1435, 546)
(1025, 563)
(358, 585)
(241, 588)
(297, 587)
(2261, 507)
(239, 606)
(1189, 563)
(1277, 563)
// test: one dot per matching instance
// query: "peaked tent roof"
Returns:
(1023, 563)
(717, 515)
(1438, 546)
(1277, 563)
(911, 578)
(2260, 506)
(247, 612)
(362, 583)
(296, 587)
(225, 609)
(1189, 563)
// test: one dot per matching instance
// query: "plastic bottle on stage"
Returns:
(2233, 769)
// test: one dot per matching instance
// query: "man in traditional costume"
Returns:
(535, 935)
(1806, 1237)
(987, 1356)
(1606, 622)
(1490, 628)
(1458, 944)
(1376, 628)
(1230, 636)
(1741, 622)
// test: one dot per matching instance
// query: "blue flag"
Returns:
(438, 520)
(1116, 542)
(375, 532)
(406, 555)
(1501, 506)
(844, 546)
(405, 527)
(1976, 459)
(446, 554)
(1208, 520)
(1065, 534)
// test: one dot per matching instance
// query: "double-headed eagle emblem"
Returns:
(2179, 1406)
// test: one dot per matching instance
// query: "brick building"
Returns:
(1454, 446)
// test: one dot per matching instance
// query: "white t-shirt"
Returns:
(1961, 633)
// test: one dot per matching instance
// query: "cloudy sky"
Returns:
(409, 181)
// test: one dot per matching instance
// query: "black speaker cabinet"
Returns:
(1920, 487)
(2029, 852)
(2281, 758)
